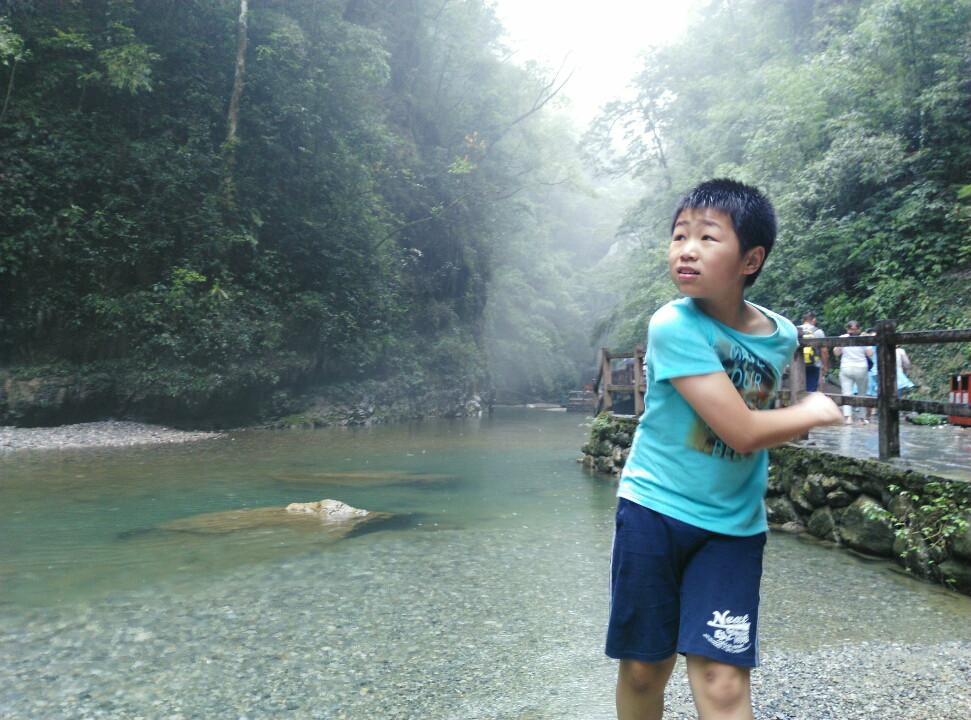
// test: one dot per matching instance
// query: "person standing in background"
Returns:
(817, 361)
(854, 369)
(903, 364)
(872, 383)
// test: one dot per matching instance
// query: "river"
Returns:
(484, 596)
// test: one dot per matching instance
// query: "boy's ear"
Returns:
(753, 260)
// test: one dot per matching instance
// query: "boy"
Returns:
(691, 524)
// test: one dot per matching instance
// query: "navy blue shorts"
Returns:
(677, 588)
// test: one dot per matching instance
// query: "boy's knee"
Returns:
(643, 677)
(725, 686)
(722, 688)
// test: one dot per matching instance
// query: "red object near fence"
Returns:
(960, 394)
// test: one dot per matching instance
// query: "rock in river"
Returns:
(332, 516)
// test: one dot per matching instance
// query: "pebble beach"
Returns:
(111, 433)
(276, 642)
(426, 626)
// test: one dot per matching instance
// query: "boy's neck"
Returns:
(737, 314)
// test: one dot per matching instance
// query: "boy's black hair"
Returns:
(751, 212)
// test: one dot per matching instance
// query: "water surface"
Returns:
(484, 597)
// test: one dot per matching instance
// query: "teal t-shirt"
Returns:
(677, 465)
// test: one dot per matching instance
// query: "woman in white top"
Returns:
(903, 364)
(853, 369)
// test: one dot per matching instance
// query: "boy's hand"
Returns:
(828, 411)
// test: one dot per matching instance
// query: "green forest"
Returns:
(227, 211)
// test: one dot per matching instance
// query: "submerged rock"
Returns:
(332, 516)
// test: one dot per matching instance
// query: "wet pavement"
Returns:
(942, 450)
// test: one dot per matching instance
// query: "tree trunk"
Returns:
(238, 80)
(6, 100)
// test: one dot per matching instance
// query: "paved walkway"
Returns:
(943, 450)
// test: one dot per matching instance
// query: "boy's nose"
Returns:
(689, 249)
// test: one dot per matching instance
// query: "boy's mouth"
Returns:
(687, 271)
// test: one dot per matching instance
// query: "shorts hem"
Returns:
(640, 657)
(746, 661)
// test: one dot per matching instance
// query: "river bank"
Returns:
(111, 433)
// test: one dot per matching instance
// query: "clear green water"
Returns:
(81, 526)
(84, 523)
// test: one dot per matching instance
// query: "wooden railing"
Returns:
(628, 379)
(886, 402)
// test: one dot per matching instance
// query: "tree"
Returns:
(342, 199)
(856, 126)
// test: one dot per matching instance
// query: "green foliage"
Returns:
(853, 116)
(601, 426)
(11, 44)
(124, 63)
(928, 419)
(374, 214)
(938, 514)
(617, 430)
(398, 201)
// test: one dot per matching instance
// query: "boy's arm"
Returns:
(744, 430)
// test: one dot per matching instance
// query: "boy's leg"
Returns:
(846, 388)
(720, 691)
(719, 624)
(640, 688)
(642, 630)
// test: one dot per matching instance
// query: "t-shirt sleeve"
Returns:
(678, 346)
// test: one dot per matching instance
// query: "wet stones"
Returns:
(822, 524)
(869, 507)
(867, 526)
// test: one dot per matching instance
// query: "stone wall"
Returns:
(920, 521)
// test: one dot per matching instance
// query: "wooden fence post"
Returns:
(639, 380)
(888, 415)
(605, 372)
(797, 381)
(797, 375)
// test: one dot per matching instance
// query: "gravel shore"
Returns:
(111, 433)
(416, 628)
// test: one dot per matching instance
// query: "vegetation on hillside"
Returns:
(239, 199)
(312, 191)
(854, 117)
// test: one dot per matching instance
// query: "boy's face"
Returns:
(705, 256)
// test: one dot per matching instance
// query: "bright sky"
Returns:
(601, 40)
